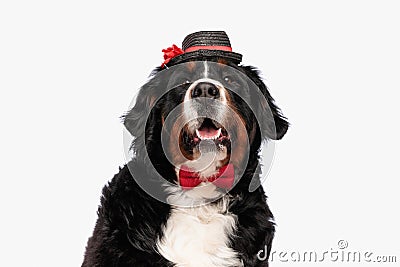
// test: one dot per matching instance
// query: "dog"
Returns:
(191, 194)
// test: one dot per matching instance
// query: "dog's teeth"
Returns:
(217, 135)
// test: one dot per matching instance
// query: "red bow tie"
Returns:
(223, 179)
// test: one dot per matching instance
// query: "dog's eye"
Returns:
(228, 79)
(184, 81)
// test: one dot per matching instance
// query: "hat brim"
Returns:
(204, 54)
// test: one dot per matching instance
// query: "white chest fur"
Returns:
(199, 236)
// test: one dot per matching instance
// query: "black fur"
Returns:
(130, 221)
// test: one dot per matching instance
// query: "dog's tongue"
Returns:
(208, 132)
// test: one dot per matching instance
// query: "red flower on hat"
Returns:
(170, 53)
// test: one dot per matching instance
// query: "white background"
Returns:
(69, 69)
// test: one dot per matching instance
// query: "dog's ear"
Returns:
(273, 124)
(136, 118)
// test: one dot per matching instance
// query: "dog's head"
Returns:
(203, 113)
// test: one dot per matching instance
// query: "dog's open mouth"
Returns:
(204, 129)
(210, 130)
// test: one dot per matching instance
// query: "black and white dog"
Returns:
(191, 196)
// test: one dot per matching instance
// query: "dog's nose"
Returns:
(205, 89)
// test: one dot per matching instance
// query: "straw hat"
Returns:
(201, 46)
